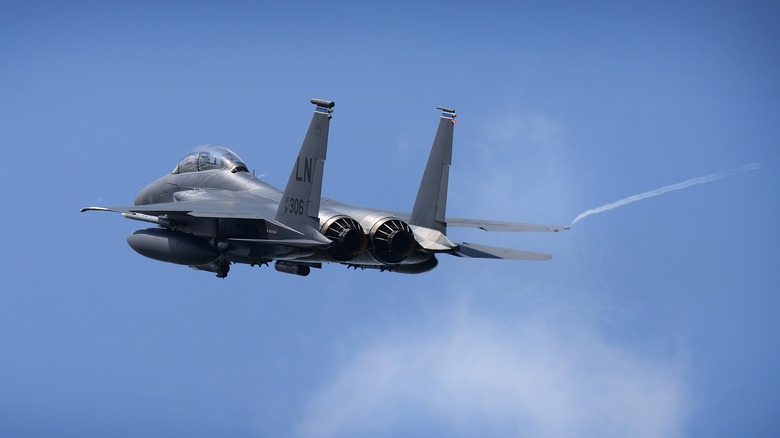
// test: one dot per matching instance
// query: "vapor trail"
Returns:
(666, 189)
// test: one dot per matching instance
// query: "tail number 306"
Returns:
(293, 205)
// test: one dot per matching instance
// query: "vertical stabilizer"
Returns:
(300, 203)
(431, 204)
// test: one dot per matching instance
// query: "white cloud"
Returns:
(470, 376)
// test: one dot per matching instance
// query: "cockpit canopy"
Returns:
(210, 157)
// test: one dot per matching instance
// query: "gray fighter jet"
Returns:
(211, 212)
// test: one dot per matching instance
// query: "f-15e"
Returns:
(212, 212)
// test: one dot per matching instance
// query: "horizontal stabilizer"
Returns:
(501, 225)
(476, 251)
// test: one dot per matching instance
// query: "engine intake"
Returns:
(348, 237)
(392, 240)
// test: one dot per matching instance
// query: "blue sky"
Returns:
(654, 319)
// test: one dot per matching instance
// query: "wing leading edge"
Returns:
(502, 226)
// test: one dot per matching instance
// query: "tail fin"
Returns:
(300, 203)
(431, 204)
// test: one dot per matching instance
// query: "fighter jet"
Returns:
(211, 212)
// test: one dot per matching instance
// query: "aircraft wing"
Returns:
(205, 204)
(489, 225)
(203, 209)
(212, 204)
(473, 250)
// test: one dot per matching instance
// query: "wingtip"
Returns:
(94, 209)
